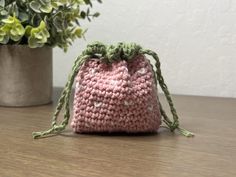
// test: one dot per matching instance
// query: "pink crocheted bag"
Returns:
(116, 91)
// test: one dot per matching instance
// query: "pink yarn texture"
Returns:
(117, 97)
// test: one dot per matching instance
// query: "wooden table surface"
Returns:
(211, 153)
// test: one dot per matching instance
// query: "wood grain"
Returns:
(211, 153)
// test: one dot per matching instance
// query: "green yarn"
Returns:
(64, 100)
(109, 54)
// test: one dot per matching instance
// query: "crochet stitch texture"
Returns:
(116, 97)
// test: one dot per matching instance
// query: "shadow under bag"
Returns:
(115, 91)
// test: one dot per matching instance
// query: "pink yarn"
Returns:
(116, 97)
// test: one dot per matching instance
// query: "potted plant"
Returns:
(29, 29)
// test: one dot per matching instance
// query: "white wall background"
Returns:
(195, 39)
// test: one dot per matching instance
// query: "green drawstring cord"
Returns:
(175, 124)
(63, 100)
(109, 54)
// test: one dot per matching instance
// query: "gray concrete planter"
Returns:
(25, 75)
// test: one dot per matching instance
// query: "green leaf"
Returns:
(56, 4)
(4, 40)
(46, 9)
(78, 32)
(38, 36)
(2, 3)
(9, 20)
(46, 33)
(15, 10)
(6, 28)
(88, 2)
(97, 14)
(15, 37)
(2, 32)
(3, 37)
(12, 28)
(3, 12)
(13, 32)
(23, 16)
(42, 25)
(33, 43)
(43, 2)
(20, 29)
(34, 20)
(28, 30)
(35, 6)
(58, 23)
(83, 14)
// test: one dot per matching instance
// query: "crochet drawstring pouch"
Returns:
(115, 91)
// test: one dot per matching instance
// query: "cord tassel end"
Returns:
(185, 132)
